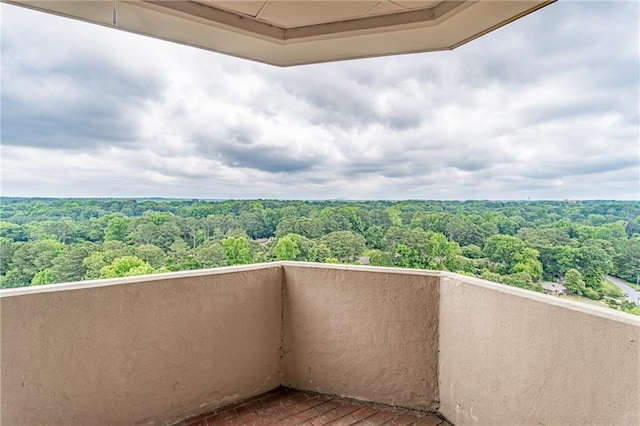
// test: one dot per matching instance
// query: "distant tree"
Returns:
(286, 248)
(32, 257)
(627, 261)
(406, 257)
(491, 276)
(593, 262)
(374, 236)
(6, 252)
(151, 254)
(522, 280)
(527, 261)
(103, 256)
(443, 254)
(236, 250)
(13, 279)
(43, 277)
(210, 254)
(69, 265)
(126, 266)
(13, 231)
(380, 258)
(344, 245)
(181, 257)
(160, 230)
(503, 249)
(472, 251)
(318, 253)
(573, 282)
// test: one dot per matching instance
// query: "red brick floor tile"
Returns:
(407, 418)
(429, 420)
(311, 413)
(332, 415)
(299, 408)
(380, 418)
(355, 417)
(284, 406)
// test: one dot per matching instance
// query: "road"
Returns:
(626, 288)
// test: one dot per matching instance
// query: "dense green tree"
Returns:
(43, 277)
(522, 280)
(14, 278)
(69, 265)
(32, 257)
(236, 250)
(318, 253)
(406, 257)
(253, 223)
(158, 230)
(107, 253)
(181, 257)
(6, 253)
(345, 246)
(374, 236)
(13, 231)
(573, 282)
(593, 263)
(286, 248)
(443, 254)
(379, 258)
(504, 249)
(151, 254)
(127, 266)
(472, 251)
(210, 254)
(627, 261)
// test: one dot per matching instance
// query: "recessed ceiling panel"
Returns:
(250, 8)
(292, 14)
(415, 4)
(386, 7)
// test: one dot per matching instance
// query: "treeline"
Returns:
(46, 241)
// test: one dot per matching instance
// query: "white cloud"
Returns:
(546, 107)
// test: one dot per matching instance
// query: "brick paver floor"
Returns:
(285, 406)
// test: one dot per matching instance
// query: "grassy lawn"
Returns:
(612, 290)
(585, 300)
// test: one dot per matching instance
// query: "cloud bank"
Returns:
(544, 108)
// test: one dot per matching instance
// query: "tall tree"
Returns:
(236, 250)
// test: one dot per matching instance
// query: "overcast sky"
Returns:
(544, 108)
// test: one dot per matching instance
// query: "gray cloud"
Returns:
(70, 105)
(268, 159)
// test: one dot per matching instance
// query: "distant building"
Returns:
(554, 289)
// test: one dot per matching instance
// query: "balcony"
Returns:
(155, 350)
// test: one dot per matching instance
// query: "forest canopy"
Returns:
(45, 241)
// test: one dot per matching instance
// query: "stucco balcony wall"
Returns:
(514, 357)
(139, 351)
(160, 348)
(369, 334)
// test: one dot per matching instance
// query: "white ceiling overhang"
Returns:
(288, 32)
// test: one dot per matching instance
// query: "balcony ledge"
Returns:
(161, 348)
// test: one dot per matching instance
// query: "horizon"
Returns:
(397, 200)
(545, 108)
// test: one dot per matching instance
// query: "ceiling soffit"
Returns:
(289, 32)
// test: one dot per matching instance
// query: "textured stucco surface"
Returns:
(511, 357)
(362, 334)
(140, 353)
(155, 349)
